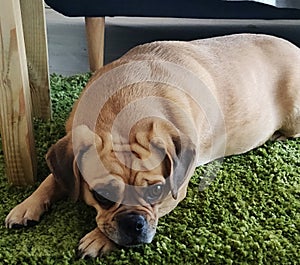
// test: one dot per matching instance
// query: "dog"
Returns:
(145, 121)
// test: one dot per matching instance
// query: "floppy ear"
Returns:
(62, 159)
(181, 163)
(180, 154)
(61, 162)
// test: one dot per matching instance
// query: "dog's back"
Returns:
(254, 79)
(246, 86)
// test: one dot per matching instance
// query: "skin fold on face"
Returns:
(127, 201)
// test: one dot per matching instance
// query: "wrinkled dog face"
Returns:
(125, 192)
(130, 185)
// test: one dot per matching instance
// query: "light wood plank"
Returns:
(95, 29)
(15, 103)
(34, 28)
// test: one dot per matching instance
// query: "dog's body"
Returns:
(145, 121)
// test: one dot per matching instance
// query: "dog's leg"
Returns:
(278, 136)
(28, 212)
(95, 244)
(291, 128)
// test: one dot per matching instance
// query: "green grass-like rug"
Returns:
(249, 214)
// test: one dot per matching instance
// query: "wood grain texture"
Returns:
(15, 100)
(34, 28)
(95, 29)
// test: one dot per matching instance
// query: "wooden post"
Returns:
(15, 103)
(95, 27)
(34, 28)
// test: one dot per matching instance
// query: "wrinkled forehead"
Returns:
(96, 168)
(119, 169)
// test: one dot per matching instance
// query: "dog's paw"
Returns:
(95, 244)
(24, 214)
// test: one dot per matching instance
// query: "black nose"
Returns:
(132, 224)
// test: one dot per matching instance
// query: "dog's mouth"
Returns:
(134, 242)
(132, 230)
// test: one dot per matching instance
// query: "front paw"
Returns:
(27, 213)
(95, 244)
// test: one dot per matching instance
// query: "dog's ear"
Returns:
(181, 163)
(62, 159)
(180, 155)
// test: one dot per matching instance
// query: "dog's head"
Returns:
(130, 185)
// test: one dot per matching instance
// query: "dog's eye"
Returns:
(154, 193)
(104, 197)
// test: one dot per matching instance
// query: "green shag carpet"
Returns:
(249, 214)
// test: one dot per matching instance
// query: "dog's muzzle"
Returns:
(134, 230)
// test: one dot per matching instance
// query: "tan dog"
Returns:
(145, 121)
